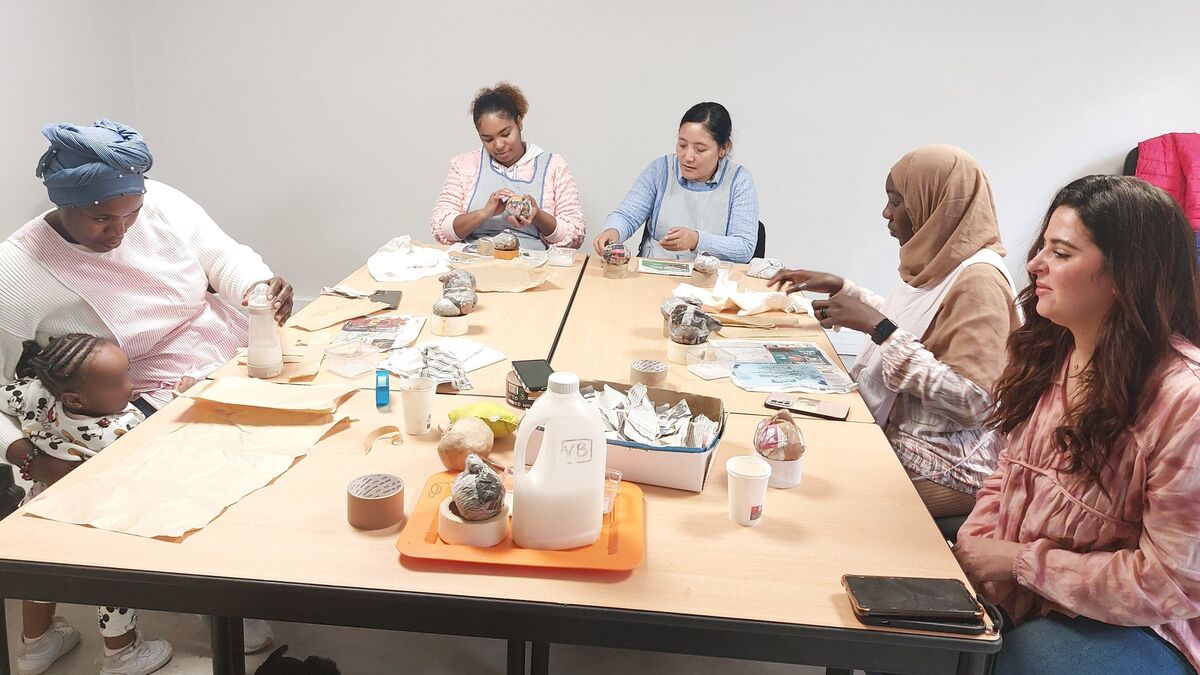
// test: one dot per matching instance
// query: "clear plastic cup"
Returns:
(417, 395)
(612, 484)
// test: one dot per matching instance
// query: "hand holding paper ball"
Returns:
(615, 254)
(518, 207)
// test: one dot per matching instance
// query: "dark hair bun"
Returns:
(714, 117)
(505, 99)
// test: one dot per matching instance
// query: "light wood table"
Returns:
(614, 322)
(522, 325)
(705, 586)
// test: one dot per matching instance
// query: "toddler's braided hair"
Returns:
(59, 365)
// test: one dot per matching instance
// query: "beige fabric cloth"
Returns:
(949, 201)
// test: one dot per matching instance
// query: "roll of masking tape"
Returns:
(375, 501)
(454, 529)
(449, 326)
(677, 353)
(648, 372)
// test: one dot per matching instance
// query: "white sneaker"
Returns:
(139, 658)
(257, 636)
(37, 656)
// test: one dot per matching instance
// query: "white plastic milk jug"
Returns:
(264, 357)
(559, 502)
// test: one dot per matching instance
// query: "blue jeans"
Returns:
(1057, 644)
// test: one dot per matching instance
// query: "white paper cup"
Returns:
(416, 394)
(748, 477)
(784, 473)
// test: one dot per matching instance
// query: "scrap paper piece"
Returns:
(255, 393)
(507, 276)
(385, 331)
(671, 268)
(327, 310)
(402, 260)
(183, 480)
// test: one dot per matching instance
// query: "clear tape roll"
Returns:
(648, 372)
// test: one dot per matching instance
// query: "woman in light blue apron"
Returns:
(482, 182)
(694, 201)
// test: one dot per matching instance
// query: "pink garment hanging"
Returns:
(1172, 162)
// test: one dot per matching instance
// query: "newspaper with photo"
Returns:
(779, 366)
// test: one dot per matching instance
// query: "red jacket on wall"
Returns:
(1172, 162)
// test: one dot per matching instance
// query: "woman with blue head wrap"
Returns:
(89, 165)
(137, 262)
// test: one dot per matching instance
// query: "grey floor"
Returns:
(365, 652)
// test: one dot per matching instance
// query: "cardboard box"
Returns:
(674, 467)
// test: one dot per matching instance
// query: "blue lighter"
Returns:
(383, 387)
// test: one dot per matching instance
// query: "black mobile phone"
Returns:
(976, 628)
(390, 298)
(911, 599)
(808, 406)
(534, 373)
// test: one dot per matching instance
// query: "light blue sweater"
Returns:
(641, 204)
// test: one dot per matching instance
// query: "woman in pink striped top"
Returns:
(1088, 533)
(481, 182)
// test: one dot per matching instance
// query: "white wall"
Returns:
(60, 60)
(315, 131)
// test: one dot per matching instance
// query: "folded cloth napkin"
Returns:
(401, 260)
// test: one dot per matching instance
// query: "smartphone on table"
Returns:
(808, 406)
(941, 605)
(534, 373)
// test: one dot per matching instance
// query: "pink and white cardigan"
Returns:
(560, 199)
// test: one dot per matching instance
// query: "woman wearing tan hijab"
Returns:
(937, 341)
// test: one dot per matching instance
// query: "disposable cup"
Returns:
(416, 395)
(748, 477)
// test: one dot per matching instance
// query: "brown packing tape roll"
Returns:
(515, 393)
(375, 501)
(648, 372)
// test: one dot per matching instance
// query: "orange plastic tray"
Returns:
(620, 546)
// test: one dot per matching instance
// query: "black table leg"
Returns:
(516, 657)
(4, 667)
(540, 659)
(838, 671)
(228, 648)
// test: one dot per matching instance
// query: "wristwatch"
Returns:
(882, 331)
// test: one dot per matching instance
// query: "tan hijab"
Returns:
(949, 201)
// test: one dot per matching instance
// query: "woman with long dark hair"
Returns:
(1088, 533)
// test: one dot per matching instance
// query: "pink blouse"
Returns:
(1130, 557)
(560, 199)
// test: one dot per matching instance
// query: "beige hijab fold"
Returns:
(949, 201)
